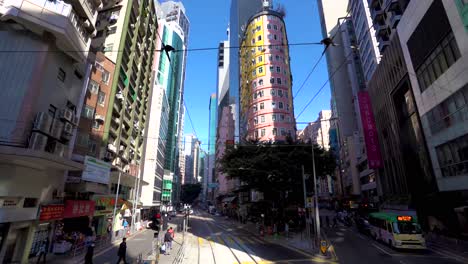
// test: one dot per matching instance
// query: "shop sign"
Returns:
(105, 205)
(51, 212)
(9, 202)
(77, 208)
(370, 132)
(96, 170)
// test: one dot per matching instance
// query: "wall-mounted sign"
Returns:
(96, 170)
(9, 202)
(77, 208)
(370, 132)
(51, 212)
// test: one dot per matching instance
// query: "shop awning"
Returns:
(229, 199)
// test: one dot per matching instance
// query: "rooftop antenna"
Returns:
(267, 4)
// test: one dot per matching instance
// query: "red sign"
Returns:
(77, 208)
(51, 212)
(370, 132)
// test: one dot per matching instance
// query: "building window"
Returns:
(109, 47)
(82, 139)
(255, 121)
(275, 27)
(283, 131)
(269, 26)
(93, 87)
(254, 72)
(278, 80)
(255, 95)
(280, 92)
(288, 119)
(256, 133)
(254, 84)
(273, 117)
(450, 112)
(285, 92)
(280, 105)
(273, 105)
(88, 112)
(270, 58)
(273, 92)
(262, 132)
(277, 57)
(453, 157)
(259, 27)
(441, 58)
(253, 41)
(259, 48)
(62, 75)
(275, 131)
(261, 93)
(260, 82)
(278, 69)
(96, 124)
(262, 106)
(272, 80)
(275, 37)
(92, 147)
(281, 117)
(101, 98)
(262, 119)
(260, 58)
(259, 37)
(112, 30)
(255, 108)
(260, 70)
(105, 76)
(287, 107)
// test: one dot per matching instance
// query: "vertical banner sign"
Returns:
(370, 132)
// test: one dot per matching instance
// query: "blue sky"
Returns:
(208, 24)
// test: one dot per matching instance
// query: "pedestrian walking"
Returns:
(171, 231)
(168, 242)
(89, 254)
(122, 253)
(43, 250)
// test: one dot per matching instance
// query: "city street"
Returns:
(214, 239)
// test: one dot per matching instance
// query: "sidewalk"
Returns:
(67, 259)
(452, 247)
(177, 244)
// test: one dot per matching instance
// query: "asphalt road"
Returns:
(353, 247)
(212, 240)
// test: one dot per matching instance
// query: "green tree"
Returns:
(190, 192)
(276, 169)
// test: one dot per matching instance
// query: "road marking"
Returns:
(381, 249)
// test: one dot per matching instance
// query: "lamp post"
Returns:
(115, 206)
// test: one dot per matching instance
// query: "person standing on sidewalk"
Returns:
(168, 242)
(43, 250)
(171, 231)
(89, 254)
(122, 253)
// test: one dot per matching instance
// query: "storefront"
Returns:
(48, 217)
(104, 208)
(71, 232)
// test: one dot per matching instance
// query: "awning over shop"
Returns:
(229, 199)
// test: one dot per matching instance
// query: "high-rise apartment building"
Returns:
(266, 105)
(386, 15)
(174, 33)
(318, 131)
(365, 35)
(240, 12)
(192, 156)
(358, 144)
(43, 92)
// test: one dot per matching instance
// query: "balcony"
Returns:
(374, 3)
(394, 19)
(381, 30)
(392, 5)
(86, 8)
(383, 43)
(56, 17)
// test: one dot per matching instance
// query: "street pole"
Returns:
(115, 205)
(305, 203)
(317, 217)
(137, 194)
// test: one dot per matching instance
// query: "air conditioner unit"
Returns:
(57, 128)
(37, 141)
(67, 131)
(57, 148)
(66, 114)
(42, 122)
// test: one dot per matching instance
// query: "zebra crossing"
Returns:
(243, 240)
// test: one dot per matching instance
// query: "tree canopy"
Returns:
(276, 169)
(190, 192)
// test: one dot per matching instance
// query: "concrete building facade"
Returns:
(318, 131)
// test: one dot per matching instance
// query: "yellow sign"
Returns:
(323, 246)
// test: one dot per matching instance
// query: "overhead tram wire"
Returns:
(175, 50)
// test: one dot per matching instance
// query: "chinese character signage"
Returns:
(370, 132)
(77, 208)
(51, 212)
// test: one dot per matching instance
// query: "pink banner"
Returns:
(374, 158)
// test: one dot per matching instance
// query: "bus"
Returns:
(397, 230)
